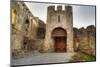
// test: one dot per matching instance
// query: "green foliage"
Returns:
(89, 57)
(80, 56)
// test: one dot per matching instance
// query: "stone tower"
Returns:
(59, 30)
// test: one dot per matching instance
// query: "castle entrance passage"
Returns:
(59, 36)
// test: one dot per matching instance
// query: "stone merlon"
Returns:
(59, 8)
(51, 8)
(68, 8)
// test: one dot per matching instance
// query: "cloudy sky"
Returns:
(82, 15)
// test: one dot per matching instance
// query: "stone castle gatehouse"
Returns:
(31, 35)
(59, 30)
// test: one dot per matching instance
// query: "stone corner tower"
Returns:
(59, 30)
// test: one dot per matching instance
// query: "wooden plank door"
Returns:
(60, 44)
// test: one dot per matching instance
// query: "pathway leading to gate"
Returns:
(44, 58)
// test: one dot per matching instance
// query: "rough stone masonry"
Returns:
(62, 19)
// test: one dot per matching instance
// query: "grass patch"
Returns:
(83, 57)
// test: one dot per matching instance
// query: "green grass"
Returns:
(89, 58)
(83, 57)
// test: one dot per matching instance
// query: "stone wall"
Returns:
(25, 27)
(53, 22)
(30, 33)
(84, 40)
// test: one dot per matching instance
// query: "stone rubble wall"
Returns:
(25, 29)
(84, 40)
(65, 23)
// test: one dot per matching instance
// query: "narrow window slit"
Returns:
(58, 18)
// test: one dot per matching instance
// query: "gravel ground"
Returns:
(42, 58)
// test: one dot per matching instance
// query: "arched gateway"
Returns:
(59, 35)
(59, 30)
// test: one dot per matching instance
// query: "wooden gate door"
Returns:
(60, 44)
(59, 35)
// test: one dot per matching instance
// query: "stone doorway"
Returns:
(59, 36)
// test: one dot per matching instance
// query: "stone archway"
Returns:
(59, 35)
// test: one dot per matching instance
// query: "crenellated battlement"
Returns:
(59, 8)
